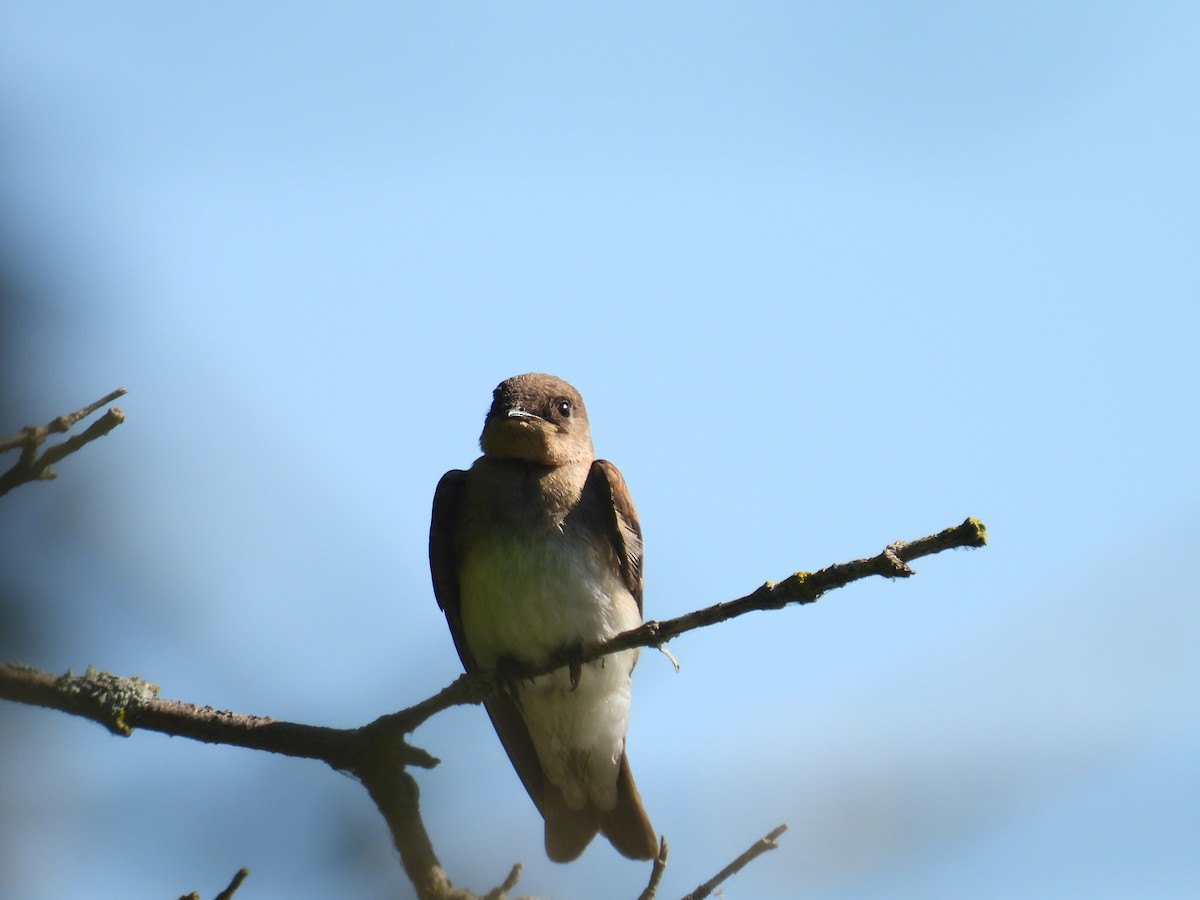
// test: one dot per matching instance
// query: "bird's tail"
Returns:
(626, 825)
(628, 829)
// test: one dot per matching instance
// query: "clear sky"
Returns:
(828, 275)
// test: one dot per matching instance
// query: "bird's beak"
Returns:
(520, 415)
(517, 434)
(522, 420)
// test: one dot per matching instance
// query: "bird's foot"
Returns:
(511, 672)
(571, 656)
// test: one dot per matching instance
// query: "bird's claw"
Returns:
(511, 672)
(575, 670)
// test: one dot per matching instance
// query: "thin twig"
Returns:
(755, 850)
(226, 894)
(60, 425)
(656, 873)
(31, 467)
(499, 893)
(238, 878)
(798, 589)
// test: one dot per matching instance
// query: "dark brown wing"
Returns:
(443, 557)
(621, 519)
(626, 825)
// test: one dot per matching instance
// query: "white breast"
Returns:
(528, 598)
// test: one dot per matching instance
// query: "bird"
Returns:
(536, 554)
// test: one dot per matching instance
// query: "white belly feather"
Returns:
(528, 599)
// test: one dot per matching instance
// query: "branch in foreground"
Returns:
(377, 753)
(799, 589)
(121, 704)
(31, 467)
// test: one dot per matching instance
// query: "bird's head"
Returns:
(539, 419)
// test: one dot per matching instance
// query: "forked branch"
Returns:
(32, 466)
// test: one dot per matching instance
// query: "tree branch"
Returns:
(799, 589)
(31, 467)
(378, 753)
(121, 704)
(229, 891)
(656, 871)
(755, 850)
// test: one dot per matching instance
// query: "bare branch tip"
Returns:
(30, 466)
(977, 531)
(66, 422)
(755, 850)
(238, 878)
(509, 883)
(656, 873)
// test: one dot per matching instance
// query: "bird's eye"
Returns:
(563, 408)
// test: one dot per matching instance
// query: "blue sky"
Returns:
(827, 275)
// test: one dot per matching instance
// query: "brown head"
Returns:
(539, 419)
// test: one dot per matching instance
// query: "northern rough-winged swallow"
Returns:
(536, 553)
